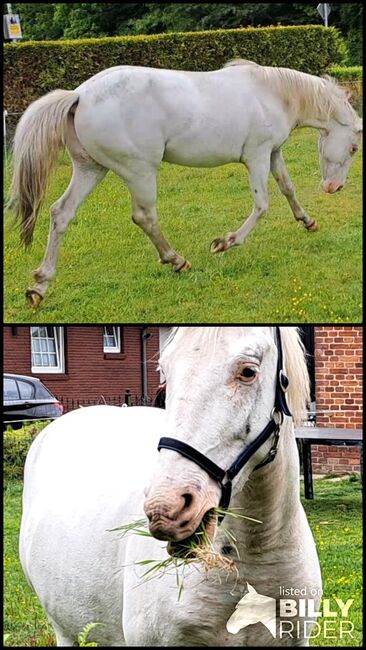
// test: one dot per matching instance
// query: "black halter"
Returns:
(225, 477)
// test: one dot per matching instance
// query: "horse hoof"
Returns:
(182, 267)
(218, 245)
(33, 298)
(313, 226)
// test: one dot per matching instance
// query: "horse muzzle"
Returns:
(178, 516)
(330, 187)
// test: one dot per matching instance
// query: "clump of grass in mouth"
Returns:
(197, 548)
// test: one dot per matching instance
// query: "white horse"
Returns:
(97, 468)
(128, 119)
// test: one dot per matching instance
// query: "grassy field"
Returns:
(108, 269)
(336, 522)
(334, 516)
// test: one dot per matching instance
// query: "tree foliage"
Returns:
(50, 21)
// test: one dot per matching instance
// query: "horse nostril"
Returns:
(226, 549)
(187, 500)
(183, 524)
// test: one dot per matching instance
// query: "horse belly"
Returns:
(186, 152)
(209, 142)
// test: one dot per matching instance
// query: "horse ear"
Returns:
(251, 589)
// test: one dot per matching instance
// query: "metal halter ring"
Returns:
(279, 415)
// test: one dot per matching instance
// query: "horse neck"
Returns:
(271, 495)
(312, 103)
(316, 117)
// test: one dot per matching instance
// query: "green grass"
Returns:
(108, 269)
(336, 521)
(24, 619)
(334, 516)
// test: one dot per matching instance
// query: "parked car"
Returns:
(27, 399)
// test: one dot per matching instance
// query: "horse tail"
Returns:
(38, 137)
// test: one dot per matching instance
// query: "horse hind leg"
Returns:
(86, 175)
(142, 187)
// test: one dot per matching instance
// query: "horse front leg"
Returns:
(144, 214)
(84, 178)
(258, 179)
(281, 176)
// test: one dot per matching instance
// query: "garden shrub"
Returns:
(33, 68)
(346, 73)
(351, 79)
(16, 443)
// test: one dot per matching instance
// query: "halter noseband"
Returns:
(225, 477)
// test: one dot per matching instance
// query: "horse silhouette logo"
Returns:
(253, 608)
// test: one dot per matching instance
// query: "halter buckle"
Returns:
(271, 454)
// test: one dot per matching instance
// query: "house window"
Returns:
(47, 346)
(111, 338)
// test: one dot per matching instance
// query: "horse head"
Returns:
(221, 389)
(338, 142)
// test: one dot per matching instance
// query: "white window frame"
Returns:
(107, 349)
(58, 336)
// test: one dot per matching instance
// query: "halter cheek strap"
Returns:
(225, 477)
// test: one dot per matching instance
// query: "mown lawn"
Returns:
(334, 516)
(108, 269)
(336, 521)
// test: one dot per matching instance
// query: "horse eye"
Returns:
(248, 374)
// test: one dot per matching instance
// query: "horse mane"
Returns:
(296, 368)
(239, 62)
(294, 362)
(310, 95)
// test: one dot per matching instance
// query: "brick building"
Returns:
(85, 364)
(338, 392)
(80, 364)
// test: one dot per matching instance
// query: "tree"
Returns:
(37, 21)
(348, 17)
(80, 20)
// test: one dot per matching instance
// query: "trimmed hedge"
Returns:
(16, 443)
(343, 73)
(351, 79)
(36, 67)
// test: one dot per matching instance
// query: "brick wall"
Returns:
(338, 385)
(89, 372)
